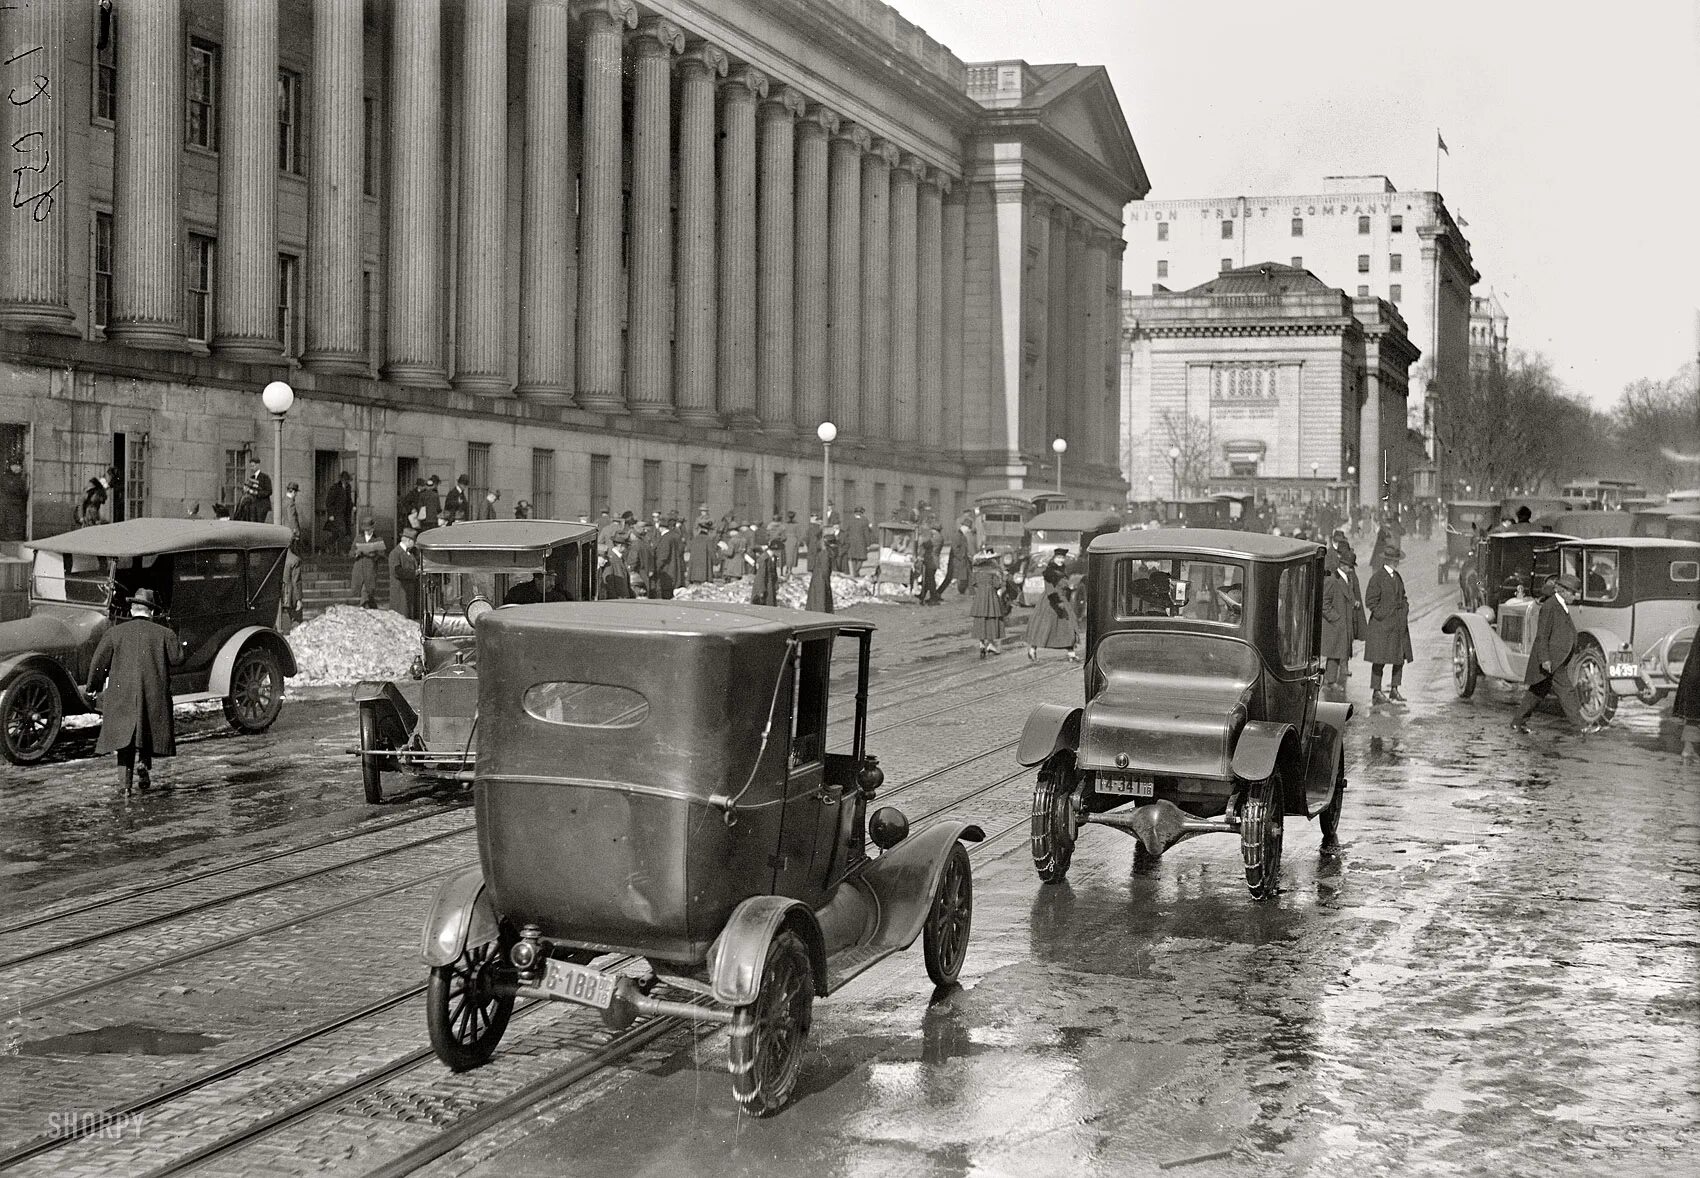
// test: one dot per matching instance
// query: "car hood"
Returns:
(48, 633)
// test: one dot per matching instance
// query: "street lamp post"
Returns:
(826, 432)
(1059, 448)
(1351, 490)
(1174, 479)
(278, 398)
(1314, 467)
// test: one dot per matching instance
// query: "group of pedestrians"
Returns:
(1377, 614)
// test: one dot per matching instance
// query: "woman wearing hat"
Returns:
(1052, 625)
(988, 606)
(133, 664)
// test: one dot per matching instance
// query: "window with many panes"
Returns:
(477, 478)
(235, 476)
(781, 494)
(1298, 226)
(651, 486)
(289, 121)
(699, 485)
(1363, 263)
(369, 316)
(1162, 231)
(100, 298)
(105, 66)
(203, 268)
(1162, 267)
(817, 490)
(1395, 262)
(288, 275)
(201, 90)
(879, 503)
(543, 484)
(601, 483)
(744, 494)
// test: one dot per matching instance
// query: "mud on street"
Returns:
(1496, 975)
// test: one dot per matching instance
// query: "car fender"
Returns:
(906, 879)
(71, 697)
(461, 914)
(1258, 748)
(218, 681)
(739, 954)
(1327, 756)
(1333, 714)
(1490, 651)
(395, 714)
(1049, 727)
(1607, 639)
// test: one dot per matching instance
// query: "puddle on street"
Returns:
(120, 1039)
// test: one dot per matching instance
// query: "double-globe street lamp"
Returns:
(1059, 448)
(278, 398)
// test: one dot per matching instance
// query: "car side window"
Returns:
(1600, 576)
(1295, 615)
(265, 570)
(809, 686)
(207, 582)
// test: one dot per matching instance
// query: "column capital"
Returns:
(621, 12)
(655, 35)
(711, 58)
(784, 102)
(913, 165)
(885, 150)
(942, 181)
(747, 77)
(1038, 203)
(819, 116)
(1061, 217)
(855, 135)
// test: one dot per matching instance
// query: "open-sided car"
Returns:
(1202, 710)
(217, 583)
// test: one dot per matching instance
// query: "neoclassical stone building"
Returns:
(1266, 379)
(589, 254)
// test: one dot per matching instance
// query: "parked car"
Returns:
(492, 561)
(1201, 708)
(1507, 563)
(1635, 593)
(218, 584)
(654, 779)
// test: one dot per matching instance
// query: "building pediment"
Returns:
(1078, 105)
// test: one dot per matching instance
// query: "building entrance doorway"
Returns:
(406, 474)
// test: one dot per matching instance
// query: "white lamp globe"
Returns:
(1060, 446)
(1174, 452)
(826, 432)
(278, 397)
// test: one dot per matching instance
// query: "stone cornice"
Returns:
(1219, 330)
(911, 165)
(886, 150)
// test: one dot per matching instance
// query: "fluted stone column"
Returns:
(1082, 317)
(1114, 245)
(414, 253)
(1056, 328)
(147, 262)
(546, 240)
(905, 391)
(1035, 330)
(482, 224)
(809, 372)
(1370, 474)
(737, 367)
(335, 305)
(245, 325)
(954, 245)
(929, 309)
(877, 163)
(776, 259)
(693, 316)
(649, 265)
(1095, 376)
(33, 287)
(599, 213)
(844, 261)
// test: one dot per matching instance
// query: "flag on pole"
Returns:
(1440, 142)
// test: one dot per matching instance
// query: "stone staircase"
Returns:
(324, 583)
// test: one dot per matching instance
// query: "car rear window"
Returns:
(1685, 570)
(1197, 590)
(585, 705)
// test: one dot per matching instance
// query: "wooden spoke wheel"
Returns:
(256, 690)
(1261, 826)
(1465, 671)
(30, 715)
(1594, 696)
(944, 940)
(769, 1034)
(1053, 829)
(463, 1011)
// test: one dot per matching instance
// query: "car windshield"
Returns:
(1174, 587)
(81, 580)
(448, 594)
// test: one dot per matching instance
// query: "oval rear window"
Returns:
(1685, 570)
(586, 705)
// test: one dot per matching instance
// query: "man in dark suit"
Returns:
(858, 535)
(615, 583)
(669, 560)
(1550, 656)
(1387, 640)
(133, 664)
(404, 576)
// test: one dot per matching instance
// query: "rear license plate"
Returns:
(576, 983)
(1124, 786)
(1624, 670)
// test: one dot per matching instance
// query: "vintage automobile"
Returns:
(505, 561)
(1001, 517)
(1506, 562)
(1667, 523)
(654, 780)
(1635, 592)
(1589, 525)
(218, 584)
(1467, 520)
(1196, 512)
(1068, 530)
(1202, 712)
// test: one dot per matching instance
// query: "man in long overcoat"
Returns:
(820, 572)
(858, 535)
(1387, 640)
(1550, 655)
(14, 500)
(959, 569)
(339, 514)
(363, 578)
(669, 560)
(702, 553)
(132, 667)
(1339, 625)
(765, 587)
(404, 576)
(616, 581)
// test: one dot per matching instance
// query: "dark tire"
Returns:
(1465, 671)
(465, 1016)
(1330, 817)
(1052, 835)
(256, 690)
(768, 1035)
(30, 714)
(371, 769)
(1261, 826)
(1594, 696)
(944, 940)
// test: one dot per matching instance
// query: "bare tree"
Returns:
(1192, 437)
(1658, 430)
(1516, 426)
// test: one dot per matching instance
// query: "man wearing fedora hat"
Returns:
(1387, 637)
(132, 666)
(1548, 672)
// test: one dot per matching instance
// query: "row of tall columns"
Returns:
(775, 280)
(905, 383)
(413, 252)
(1056, 328)
(929, 311)
(147, 270)
(737, 393)
(599, 220)
(809, 368)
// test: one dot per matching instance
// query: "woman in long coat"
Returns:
(765, 589)
(822, 556)
(988, 606)
(1052, 625)
(1686, 706)
(1387, 639)
(1339, 623)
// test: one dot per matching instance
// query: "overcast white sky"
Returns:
(1574, 132)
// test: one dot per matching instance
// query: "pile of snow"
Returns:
(346, 644)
